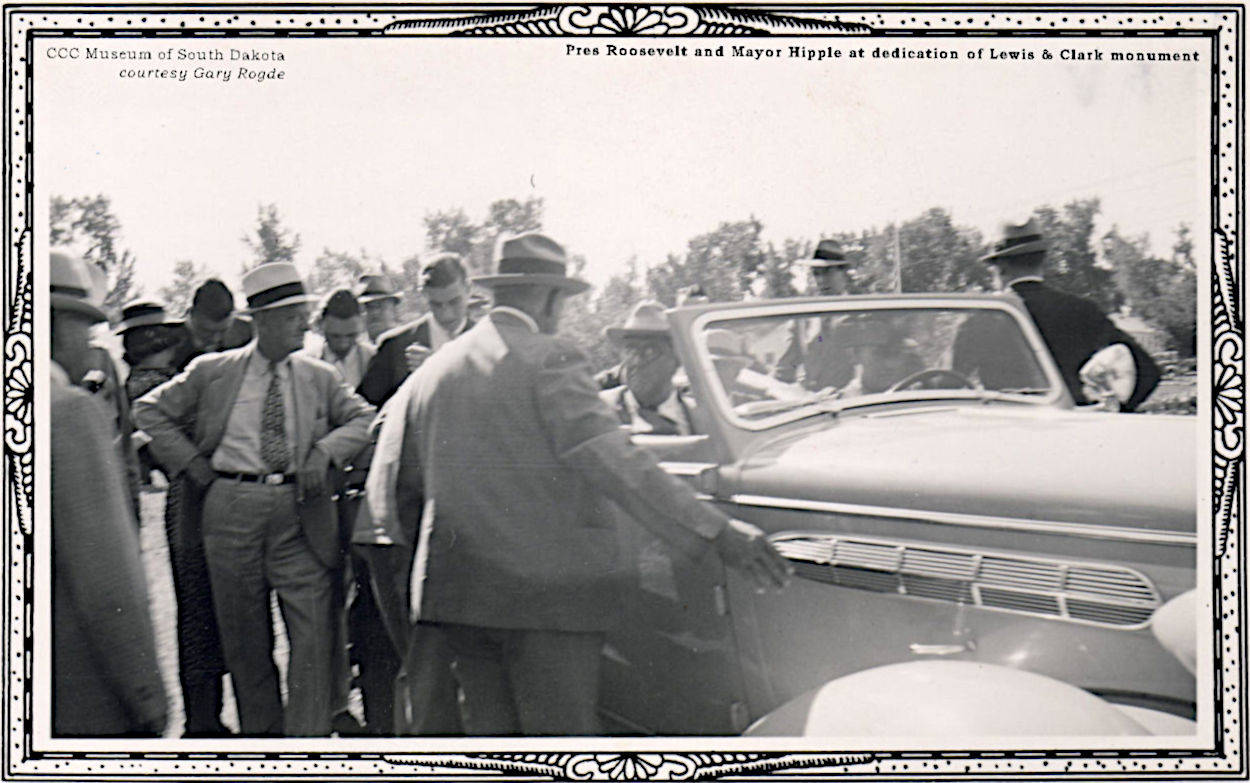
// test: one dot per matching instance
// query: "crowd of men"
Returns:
(423, 499)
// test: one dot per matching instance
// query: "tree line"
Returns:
(928, 253)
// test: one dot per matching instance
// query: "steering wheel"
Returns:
(934, 372)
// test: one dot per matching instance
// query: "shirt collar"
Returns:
(525, 317)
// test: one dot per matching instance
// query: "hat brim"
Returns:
(569, 284)
(826, 263)
(154, 319)
(367, 298)
(78, 305)
(290, 300)
(1037, 245)
(618, 333)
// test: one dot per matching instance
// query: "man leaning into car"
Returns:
(514, 568)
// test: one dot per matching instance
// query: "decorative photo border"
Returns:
(1218, 28)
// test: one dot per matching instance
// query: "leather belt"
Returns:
(258, 478)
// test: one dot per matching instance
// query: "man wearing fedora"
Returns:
(1074, 329)
(105, 678)
(377, 296)
(647, 401)
(269, 422)
(509, 450)
(446, 291)
(816, 356)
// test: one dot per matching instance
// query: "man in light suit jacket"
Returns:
(268, 424)
(105, 676)
(514, 567)
(446, 291)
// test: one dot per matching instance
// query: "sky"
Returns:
(632, 156)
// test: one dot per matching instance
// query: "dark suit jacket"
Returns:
(105, 675)
(508, 442)
(327, 414)
(615, 399)
(1075, 329)
(388, 368)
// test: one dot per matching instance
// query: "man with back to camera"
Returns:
(269, 422)
(106, 680)
(1075, 329)
(513, 568)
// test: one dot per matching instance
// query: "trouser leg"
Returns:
(555, 680)
(200, 664)
(306, 596)
(235, 521)
(374, 652)
(487, 706)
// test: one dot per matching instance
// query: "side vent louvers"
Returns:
(1079, 592)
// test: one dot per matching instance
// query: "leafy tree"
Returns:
(1163, 292)
(88, 222)
(1183, 248)
(939, 256)
(1070, 262)
(453, 231)
(724, 261)
(186, 278)
(271, 241)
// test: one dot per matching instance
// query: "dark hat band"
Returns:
(69, 290)
(277, 293)
(531, 266)
(828, 255)
(140, 310)
(1010, 242)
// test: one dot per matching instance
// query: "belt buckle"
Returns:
(273, 478)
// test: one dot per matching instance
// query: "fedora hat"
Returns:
(647, 319)
(1016, 240)
(828, 253)
(143, 313)
(532, 259)
(275, 284)
(71, 285)
(372, 287)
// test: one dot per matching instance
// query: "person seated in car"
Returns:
(884, 355)
(731, 360)
(646, 400)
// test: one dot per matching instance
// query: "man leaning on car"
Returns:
(513, 568)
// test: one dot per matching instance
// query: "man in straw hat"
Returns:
(269, 422)
(814, 355)
(646, 401)
(105, 678)
(509, 450)
(1081, 338)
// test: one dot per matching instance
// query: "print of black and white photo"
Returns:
(623, 392)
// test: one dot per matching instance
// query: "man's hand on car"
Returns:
(744, 546)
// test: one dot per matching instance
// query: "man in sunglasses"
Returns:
(647, 401)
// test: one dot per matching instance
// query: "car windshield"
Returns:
(813, 361)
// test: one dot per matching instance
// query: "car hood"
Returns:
(1020, 462)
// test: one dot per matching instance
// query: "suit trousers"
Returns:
(200, 665)
(253, 543)
(525, 681)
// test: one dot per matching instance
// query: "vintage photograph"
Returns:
(623, 392)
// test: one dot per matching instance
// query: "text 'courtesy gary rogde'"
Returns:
(150, 62)
(884, 53)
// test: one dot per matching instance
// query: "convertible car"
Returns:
(921, 465)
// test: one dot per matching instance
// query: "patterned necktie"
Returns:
(274, 450)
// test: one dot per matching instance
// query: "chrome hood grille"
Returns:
(1064, 590)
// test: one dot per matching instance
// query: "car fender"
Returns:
(946, 699)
